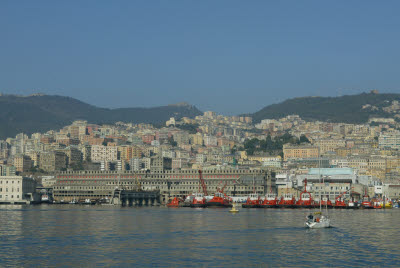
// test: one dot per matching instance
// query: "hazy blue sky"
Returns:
(228, 56)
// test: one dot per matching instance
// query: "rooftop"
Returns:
(331, 171)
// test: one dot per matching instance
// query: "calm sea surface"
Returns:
(83, 236)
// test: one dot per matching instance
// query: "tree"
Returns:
(172, 142)
(304, 139)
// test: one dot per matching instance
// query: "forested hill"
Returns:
(347, 109)
(40, 113)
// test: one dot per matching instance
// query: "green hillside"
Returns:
(42, 113)
(347, 109)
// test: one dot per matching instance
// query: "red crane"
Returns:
(223, 188)
(203, 185)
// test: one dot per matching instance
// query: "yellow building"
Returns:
(300, 151)
(125, 152)
(22, 163)
(197, 139)
(329, 145)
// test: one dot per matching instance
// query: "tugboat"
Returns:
(220, 200)
(306, 200)
(366, 203)
(199, 201)
(339, 201)
(377, 203)
(326, 202)
(253, 201)
(353, 205)
(174, 203)
(188, 201)
(287, 201)
(270, 201)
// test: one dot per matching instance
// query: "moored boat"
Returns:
(270, 201)
(287, 201)
(340, 202)
(220, 200)
(306, 200)
(325, 202)
(174, 203)
(199, 201)
(366, 202)
(253, 201)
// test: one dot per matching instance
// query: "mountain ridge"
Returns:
(40, 113)
(342, 109)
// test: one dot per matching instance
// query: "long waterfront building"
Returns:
(96, 184)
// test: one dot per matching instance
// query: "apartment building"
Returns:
(22, 163)
(329, 145)
(52, 161)
(300, 151)
(100, 153)
(389, 140)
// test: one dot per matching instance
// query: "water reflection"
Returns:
(113, 236)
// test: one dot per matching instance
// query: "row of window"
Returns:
(332, 188)
(6, 182)
(12, 189)
(12, 196)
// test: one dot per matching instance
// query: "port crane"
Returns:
(202, 183)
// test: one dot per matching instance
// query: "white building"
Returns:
(17, 189)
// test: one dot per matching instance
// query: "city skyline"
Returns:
(233, 59)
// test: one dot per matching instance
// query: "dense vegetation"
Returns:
(191, 128)
(271, 146)
(42, 113)
(347, 109)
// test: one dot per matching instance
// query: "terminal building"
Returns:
(86, 184)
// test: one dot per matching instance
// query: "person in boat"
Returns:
(310, 217)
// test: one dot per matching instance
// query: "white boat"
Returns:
(315, 222)
(45, 198)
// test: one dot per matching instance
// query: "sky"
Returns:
(228, 56)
